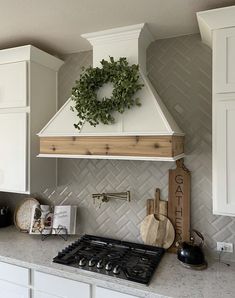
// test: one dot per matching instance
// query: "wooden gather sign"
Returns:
(179, 202)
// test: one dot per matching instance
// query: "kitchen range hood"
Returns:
(142, 133)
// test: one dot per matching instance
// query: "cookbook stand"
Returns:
(61, 231)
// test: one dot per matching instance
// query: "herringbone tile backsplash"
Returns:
(180, 70)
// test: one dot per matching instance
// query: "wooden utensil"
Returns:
(179, 202)
(156, 229)
(162, 209)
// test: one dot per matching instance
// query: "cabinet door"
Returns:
(105, 293)
(14, 274)
(37, 294)
(224, 158)
(50, 286)
(224, 60)
(9, 290)
(13, 85)
(13, 136)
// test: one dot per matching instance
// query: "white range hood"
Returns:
(151, 124)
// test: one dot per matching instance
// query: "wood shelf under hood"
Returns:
(115, 147)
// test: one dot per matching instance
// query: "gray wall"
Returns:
(180, 70)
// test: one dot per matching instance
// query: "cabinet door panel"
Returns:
(13, 152)
(224, 158)
(8, 290)
(105, 293)
(224, 60)
(37, 294)
(15, 274)
(55, 286)
(13, 85)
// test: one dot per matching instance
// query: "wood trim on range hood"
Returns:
(149, 147)
(145, 133)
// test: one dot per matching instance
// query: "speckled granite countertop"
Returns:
(170, 279)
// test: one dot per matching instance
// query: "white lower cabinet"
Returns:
(19, 282)
(37, 294)
(106, 293)
(51, 286)
(14, 281)
(10, 290)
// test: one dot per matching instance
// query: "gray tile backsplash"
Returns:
(180, 70)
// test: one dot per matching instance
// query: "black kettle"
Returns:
(191, 254)
(5, 217)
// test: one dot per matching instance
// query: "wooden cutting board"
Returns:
(179, 202)
(156, 229)
(151, 205)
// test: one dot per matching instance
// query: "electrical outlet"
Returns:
(225, 246)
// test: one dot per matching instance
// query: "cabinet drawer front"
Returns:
(224, 60)
(37, 294)
(105, 293)
(13, 85)
(15, 274)
(13, 152)
(60, 287)
(8, 290)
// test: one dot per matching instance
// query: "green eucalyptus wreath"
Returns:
(125, 80)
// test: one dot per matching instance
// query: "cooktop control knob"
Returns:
(91, 263)
(82, 262)
(108, 266)
(116, 269)
(100, 264)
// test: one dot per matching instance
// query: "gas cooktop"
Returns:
(126, 260)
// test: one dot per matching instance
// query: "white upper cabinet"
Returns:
(13, 85)
(217, 29)
(28, 99)
(224, 158)
(224, 121)
(13, 151)
(224, 60)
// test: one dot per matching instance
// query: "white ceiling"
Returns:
(56, 25)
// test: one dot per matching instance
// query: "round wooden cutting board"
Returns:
(23, 214)
(157, 230)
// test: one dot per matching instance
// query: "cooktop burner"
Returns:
(126, 260)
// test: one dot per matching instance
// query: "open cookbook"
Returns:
(48, 219)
